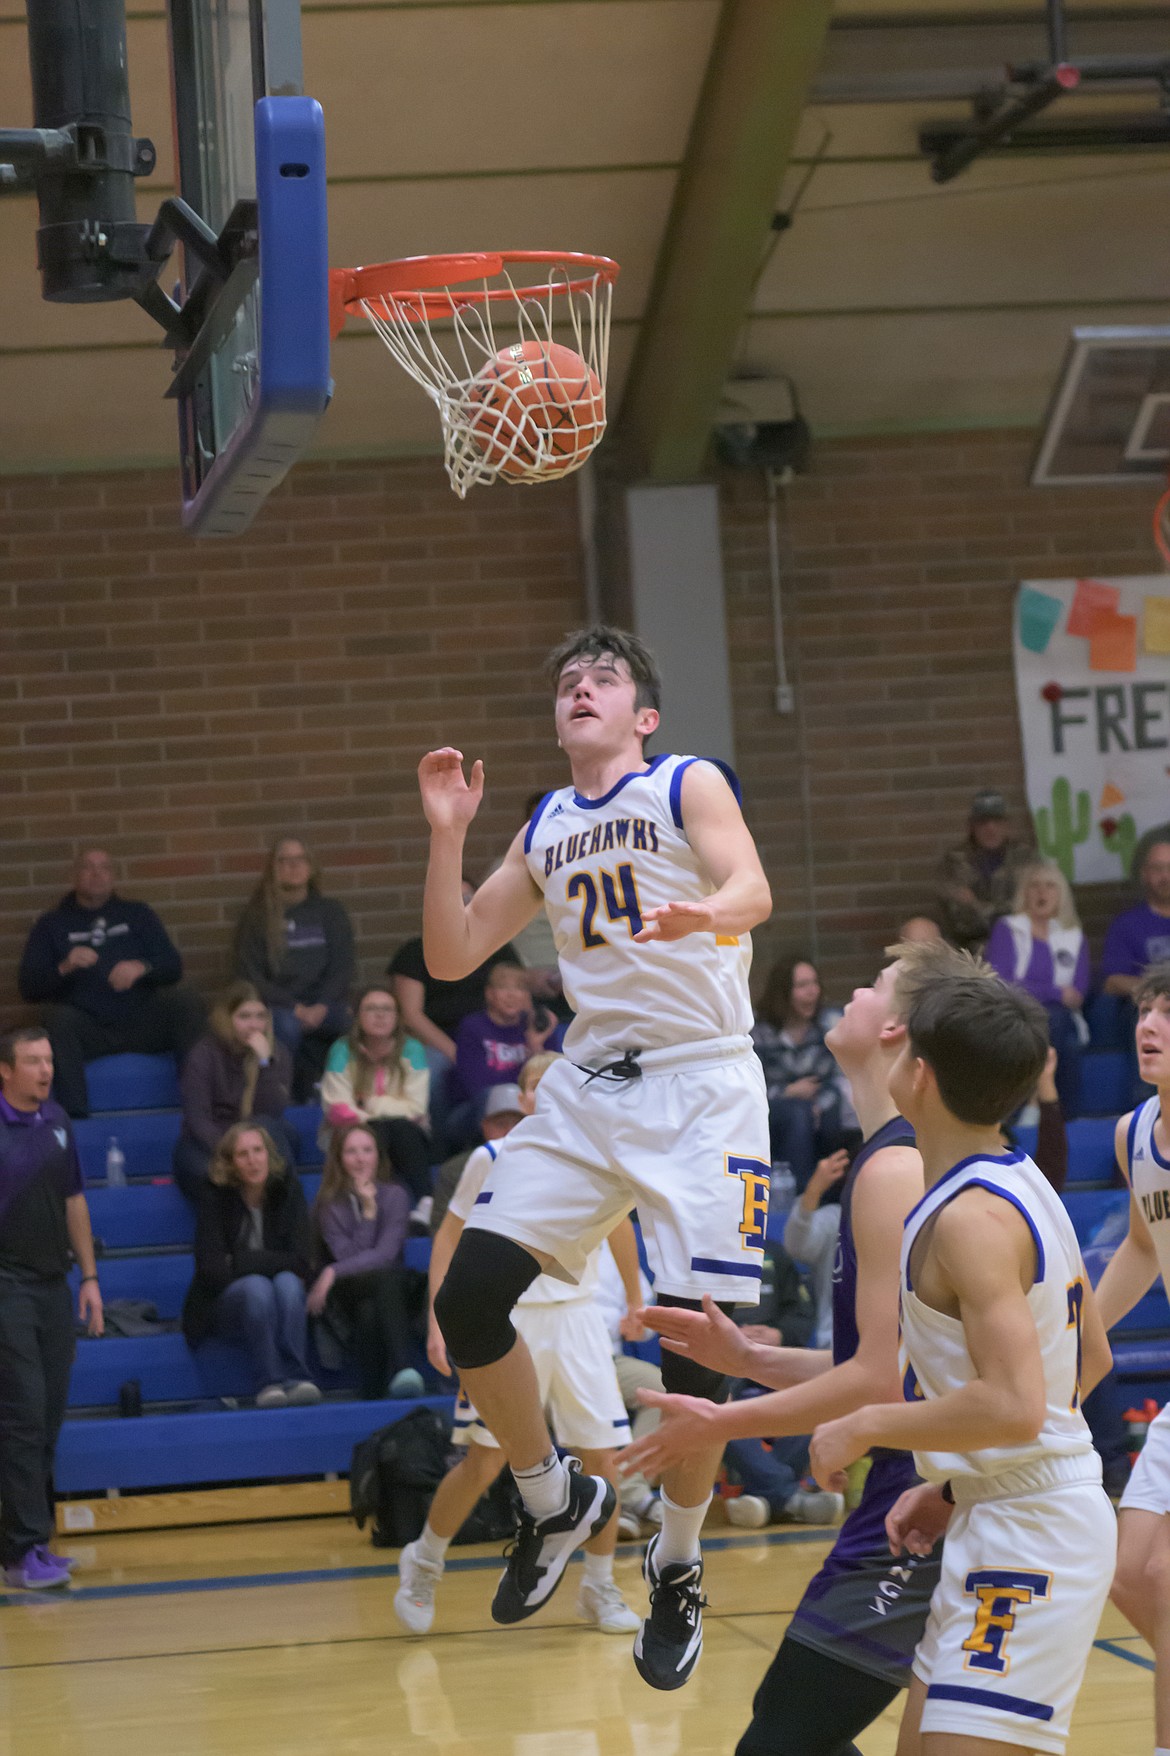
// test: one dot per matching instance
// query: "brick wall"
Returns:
(182, 703)
(903, 555)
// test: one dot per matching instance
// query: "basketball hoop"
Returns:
(512, 347)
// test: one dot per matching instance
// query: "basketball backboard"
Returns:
(249, 150)
(1109, 420)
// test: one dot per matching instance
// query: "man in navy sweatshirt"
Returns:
(104, 973)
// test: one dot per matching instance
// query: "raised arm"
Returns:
(982, 1258)
(458, 937)
(714, 826)
(1133, 1268)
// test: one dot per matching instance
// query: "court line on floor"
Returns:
(328, 1575)
(1116, 1647)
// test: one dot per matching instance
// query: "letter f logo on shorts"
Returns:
(1001, 1591)
(756, 1176)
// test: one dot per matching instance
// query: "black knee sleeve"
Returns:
(683, 1377)
(474, 1304)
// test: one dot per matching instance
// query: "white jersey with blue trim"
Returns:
(470, 1193)
(934, 1356)
(601, 863)
(1149, 1176)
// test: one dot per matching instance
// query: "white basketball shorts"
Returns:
(1017, 1608)
(1148, 1488)
(686, 1145)
(571, 1351)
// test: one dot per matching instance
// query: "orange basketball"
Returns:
(534, 392)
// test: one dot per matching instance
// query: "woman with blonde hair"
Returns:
(363, 1216)
(1041, 948)
(238, 1072)
(378, 1075)
(296, 947)
(252, 1253)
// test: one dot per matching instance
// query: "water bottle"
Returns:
(781, 1194)
(115, 1164)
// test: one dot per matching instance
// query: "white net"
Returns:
(517, 373)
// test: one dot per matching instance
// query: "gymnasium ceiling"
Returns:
(892, 303)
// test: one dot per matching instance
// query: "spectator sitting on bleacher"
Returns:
(1136, 939)
(43, 1215)
(296, 947)
(1041, 948)
(501, 1113)
(253, 1245)
(362, 1293)
(432, 1010)
(491, 1046)
(810, 1238)
(238, 1072)
(806, 1111)
(977, 879)
(104, 973)
(378, 1075)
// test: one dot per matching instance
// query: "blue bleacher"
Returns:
(1104, 1083)
(145, 1231)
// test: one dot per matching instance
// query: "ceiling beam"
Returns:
(762, 64)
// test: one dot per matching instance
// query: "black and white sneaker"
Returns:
(671, 1638)
(538, 1557)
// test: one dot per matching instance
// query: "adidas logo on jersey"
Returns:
(558, 810)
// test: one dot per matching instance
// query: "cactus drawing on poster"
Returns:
(1058, 832)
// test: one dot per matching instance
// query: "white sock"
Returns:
(429, 1547)
(598, 1569)
(679, 1538)
(1159, 1750)
(544, 1488)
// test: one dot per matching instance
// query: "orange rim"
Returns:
(1162, 526)
(424, 285)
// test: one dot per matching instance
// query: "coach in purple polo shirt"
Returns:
(43, 1216)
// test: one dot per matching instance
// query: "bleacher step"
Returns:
(170, 1511)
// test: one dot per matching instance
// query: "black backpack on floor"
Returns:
(394, 1473)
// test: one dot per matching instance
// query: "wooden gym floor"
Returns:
(280, 1638)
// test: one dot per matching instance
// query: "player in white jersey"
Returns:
(1141, 1588)
(569, 1342)
(1000, 1335)
(652, 885)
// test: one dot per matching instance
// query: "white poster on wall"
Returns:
(1093, 684)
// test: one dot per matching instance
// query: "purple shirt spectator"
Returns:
(1040, 979)
(39, 1171)
(359, 1245)
(488, 1054)
(1134, 940)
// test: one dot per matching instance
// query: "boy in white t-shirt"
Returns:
(570, 1347)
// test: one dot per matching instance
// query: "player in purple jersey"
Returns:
(848, 1648)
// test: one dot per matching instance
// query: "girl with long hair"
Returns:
(252, 1263)
(378, 1075)
(362, 1216)
(238, 1072)
(806, 1094)
(296, 947)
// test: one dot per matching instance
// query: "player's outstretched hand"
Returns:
(917, 1519)
(706, 1336)
(674, 920)
(449, 801)
(833, 1447)
(687, 1425)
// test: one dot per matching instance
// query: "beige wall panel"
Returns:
(70, 410)
(859, 374)
(620, 214)
(1088, 237)
(509, 86)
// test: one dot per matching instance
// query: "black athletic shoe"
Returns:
(540, 1553)
(671, 1638)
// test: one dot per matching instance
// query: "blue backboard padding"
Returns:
(293, 383)
(132, 1082)
(159, 1451)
